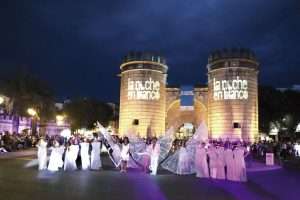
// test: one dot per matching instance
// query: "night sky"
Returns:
(78, 46)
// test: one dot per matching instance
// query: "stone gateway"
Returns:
(228, 104)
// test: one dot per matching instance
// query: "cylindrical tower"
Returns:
(232, 90)
(143, 94)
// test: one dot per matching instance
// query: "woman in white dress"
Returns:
(220, 163)
(55, 161)
(146, 156)
(239, 154)
(212, 154)
(184, 161)
(71, 156)
(61, 151)
(96, 154)
(116, 154)
(42, 154)
(229, 163)
(124, 154)
(84, 154)
(154, 158)
(201, 165)
(114, 145)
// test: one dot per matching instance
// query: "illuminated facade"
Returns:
(232, 94)
(143, 94)
(228, 105)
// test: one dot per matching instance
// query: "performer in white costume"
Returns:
(84, 154)
(213, 159)
(71, 156)
(201, 165)
(138, 148)
(55, 161)
(229, 162)
(114, 144)
(125, 154)
(147, 156)
(154, 157)
(96, 154)
(184, 161)
(239, 154)
(297, 149)
(137, 151)
(220, 163)
(42, 154)
(116, 154)
(61, 151)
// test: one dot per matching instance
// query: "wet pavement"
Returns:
(18, 182)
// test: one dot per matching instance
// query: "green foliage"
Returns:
(280, 107)
(24, 91)
(84, 112)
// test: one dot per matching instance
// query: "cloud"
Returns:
(86, 40)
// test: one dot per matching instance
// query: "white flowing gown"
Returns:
(42, 154)
(201, 165)
(116, 154)
(55, 161)
(147, 156)
(84, 154)
(220, 163)
(240, 165)
(95, 156)
(184, 162)
(154, 158)
(229, 162)
(125, 152)
(213, 159)
(70, 157)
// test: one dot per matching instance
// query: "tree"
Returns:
(279, 107)
(24, 91)
(84, 112)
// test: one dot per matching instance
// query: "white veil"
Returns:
(137, 146)
(173, 162)
(116, 155)
(166, 142)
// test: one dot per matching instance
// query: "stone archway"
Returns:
(176, 116)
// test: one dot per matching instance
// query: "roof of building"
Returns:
(144, 56)
(231, 53)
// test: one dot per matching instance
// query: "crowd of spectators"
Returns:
(282, 150)
(13, 142)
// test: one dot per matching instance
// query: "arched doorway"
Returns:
(185, 131)
(180, 118)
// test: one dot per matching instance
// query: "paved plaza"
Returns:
(18, 182)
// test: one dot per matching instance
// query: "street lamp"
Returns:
(1, 100)
(60, 119)
(32, 112)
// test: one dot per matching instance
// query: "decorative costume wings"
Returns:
(115, 155)
(182, 161)
(137, 147)
(166, 142)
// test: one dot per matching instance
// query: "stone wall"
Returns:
(232, 98)
(142, 98)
